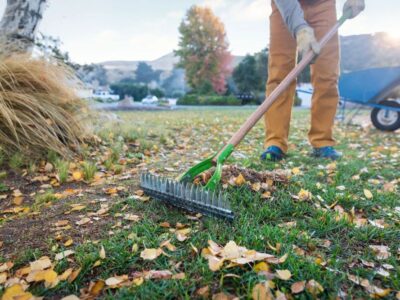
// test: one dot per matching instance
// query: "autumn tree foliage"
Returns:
(203, 51)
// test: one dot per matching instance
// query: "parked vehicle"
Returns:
(149, 100)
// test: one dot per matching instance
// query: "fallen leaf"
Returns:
(240, 180)
(64, 254)
(6, 266)
(150, 254)
(298, 287)
(381, 252)
(70, 297)
(283, 274)
(314, 287)
(77, 175)
(96, 288)
(83, 221)
(102, 253)
(368, 194)
(203, 292)
(74, 275)
(65, 275)
(41, 264)
(262, 266)
(16, 292)
(261, 292)
(68, 243)
(114, 281)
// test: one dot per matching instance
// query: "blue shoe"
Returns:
(273, 153)
(326, 152)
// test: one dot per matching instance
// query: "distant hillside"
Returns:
(117, 70)
(366, 51)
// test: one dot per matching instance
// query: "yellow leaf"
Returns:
(16, 292)
(296, 171)
(68, 243)
(102, 253)
(168, 245)
(73, 275)
(283, 274)
(304, 195)
(262, 266)
(77, 175)
(298, 287)
(150, 254)
(368, 194)
(96, 288)
(65, 275)
(135, 248)
(83, 221)
(138, 281)
(240, 180)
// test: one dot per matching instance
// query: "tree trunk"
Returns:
(19, 24)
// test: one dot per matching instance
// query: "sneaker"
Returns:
(273, 153)
(326, 152)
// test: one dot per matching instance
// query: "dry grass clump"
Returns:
(39, 111)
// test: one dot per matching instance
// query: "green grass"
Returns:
(178, 139)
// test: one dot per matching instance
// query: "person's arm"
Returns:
(292, 15)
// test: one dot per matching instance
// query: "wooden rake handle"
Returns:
(263, 108)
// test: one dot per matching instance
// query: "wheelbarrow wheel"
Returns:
(385, 119)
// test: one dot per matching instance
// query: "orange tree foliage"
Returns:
(203, 50)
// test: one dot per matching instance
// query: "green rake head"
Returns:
(183, 194)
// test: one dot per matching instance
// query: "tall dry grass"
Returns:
(39, 110)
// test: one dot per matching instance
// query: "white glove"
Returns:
(353, 7)
(306, 41)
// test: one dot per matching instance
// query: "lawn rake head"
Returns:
(187, 196)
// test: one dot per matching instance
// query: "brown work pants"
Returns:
(324, 77)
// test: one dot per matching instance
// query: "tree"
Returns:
(251, 74)
(20, 22)
(203, 50)
(246, 77)
(145, 73)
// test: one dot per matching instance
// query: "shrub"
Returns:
(194, 99)
(38, 107)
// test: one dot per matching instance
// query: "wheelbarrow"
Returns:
(376, 88)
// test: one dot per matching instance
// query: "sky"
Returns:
(101, 30)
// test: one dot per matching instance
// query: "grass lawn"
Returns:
(325, 224)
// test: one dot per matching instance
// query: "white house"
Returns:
(106, 95)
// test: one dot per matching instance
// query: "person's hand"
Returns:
(353, 8)
(306, 41)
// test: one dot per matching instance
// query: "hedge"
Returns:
(193, 99)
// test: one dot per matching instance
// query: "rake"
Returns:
(208, 200)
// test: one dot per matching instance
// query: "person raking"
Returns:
(295, 27)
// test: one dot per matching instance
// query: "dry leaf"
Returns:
(83, 221)
(314, 287)
(68, 243)
(240, 180)
(368, 194)
(64, 254)
(41, 264)
(283, 274)
(261, 292)
(381, 252)
(96, 288)
(150, 254)
(77, 175)
(203, 292)
(16, 292)
(298, 287)
(70, 297)
(262, 266)
(6, 266)
(102, 252)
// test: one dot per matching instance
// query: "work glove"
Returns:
(353, 8)
(306, 41)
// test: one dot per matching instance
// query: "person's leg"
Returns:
(282, 59)
(324, 74)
